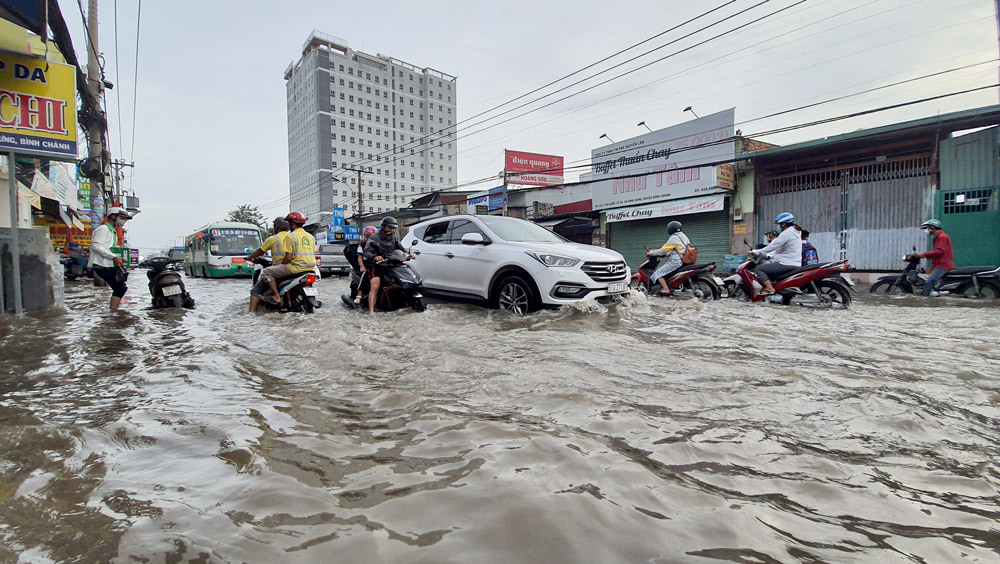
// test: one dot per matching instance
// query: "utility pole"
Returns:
(117, 165)
(361, 201)
(95, 129)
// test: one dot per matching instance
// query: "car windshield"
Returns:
(234, 241)
(519, 230)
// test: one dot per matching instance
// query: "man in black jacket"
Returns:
(378, 247)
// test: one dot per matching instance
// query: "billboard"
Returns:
(497, 198)
(665, 157)
(532, 169)
(37, 107)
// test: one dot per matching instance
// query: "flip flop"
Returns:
(765, 293)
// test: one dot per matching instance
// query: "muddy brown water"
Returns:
(649, 431)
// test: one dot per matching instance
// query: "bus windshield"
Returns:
(234, 241)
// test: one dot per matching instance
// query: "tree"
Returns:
(248, 214)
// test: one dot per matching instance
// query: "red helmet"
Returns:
(296, 217)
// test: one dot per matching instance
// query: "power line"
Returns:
(135, 80)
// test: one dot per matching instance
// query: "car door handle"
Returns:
(449, 255)
(416, 252)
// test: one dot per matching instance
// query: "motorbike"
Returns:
(295, 293)
(696, 278)
(166, 286)
(401, 286)
(967, 281)
(815, 284)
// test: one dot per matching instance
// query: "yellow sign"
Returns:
(37, 107)
(724, 176)
(740, 228)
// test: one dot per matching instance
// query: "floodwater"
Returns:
(659, 430)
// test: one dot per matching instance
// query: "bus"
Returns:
(217, 250)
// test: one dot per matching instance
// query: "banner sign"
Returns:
(352, 231)
(37, 107)
(668, 209)
(338, 217)
(473, 201)
(533, 169)
(659, 154)
(497, 197)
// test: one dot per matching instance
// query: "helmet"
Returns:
(784, 218)
(280, 223)
(119, 211)
(370, 230)
(931, 223)
(389, 221)
(772, 233)
(296, 217)
(673, 227)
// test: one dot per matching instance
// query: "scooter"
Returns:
(166, 286)
(295, 293)
(697, 278)
(814, 284)
(401, 286)
(968, 281)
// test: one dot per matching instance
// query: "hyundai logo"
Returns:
(616, 268)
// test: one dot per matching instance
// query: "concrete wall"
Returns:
(37, 287)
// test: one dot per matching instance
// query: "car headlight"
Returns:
(549, 259)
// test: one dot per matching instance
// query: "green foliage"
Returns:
(249, 214)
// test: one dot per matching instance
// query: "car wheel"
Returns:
(514, 295)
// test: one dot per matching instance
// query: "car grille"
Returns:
(605, 271)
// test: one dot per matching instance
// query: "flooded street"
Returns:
(650, 431)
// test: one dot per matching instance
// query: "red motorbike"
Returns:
(818, 285)
(697, 278)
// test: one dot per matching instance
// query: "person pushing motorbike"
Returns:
(379, 246)
(786, 250)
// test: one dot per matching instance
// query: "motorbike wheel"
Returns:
(987, 291)
(889, 287)
(638, 287)
(834, 294)
(739, 292)
(705, 289)
(418, 304)
(514, 295)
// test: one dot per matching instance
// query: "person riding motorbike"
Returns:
(379, 246)
(786, 250)
(673, 249)
(354, 254)
(280, 245)
(942, 256)
(304, 245)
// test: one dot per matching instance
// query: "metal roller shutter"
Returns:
(709, 233)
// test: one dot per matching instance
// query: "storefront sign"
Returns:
(475, 201)
(724, 177)
(668, 209)
(740, 228)
(533, 169)
(497, 197)
(666, 156)
(37, 107)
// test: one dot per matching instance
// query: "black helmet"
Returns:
(280, 223)
(673, 227)
(389, 221)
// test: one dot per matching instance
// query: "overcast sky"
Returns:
(210, 128)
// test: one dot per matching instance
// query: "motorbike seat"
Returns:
(969, 270)
(805, 268)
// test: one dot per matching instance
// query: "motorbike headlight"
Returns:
(549, 259)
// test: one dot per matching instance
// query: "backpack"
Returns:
(690, 255)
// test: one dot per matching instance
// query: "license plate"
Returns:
(618, 288)
(310, 291)
(172, 290)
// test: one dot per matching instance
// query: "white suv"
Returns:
(511, 263)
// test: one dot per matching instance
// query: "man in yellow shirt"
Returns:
(282, 250)
(304, 257)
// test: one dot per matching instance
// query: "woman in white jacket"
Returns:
(673, 250)
(785, 250)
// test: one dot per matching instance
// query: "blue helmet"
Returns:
(784, 218)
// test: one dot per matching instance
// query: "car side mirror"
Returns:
(472, 239)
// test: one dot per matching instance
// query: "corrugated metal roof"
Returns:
(955, 121)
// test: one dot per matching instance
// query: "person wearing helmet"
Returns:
(786, 251)
(379, 246)
(354, 255)
(673, 249)
(106, 255)
(304, 251)
(942, 256)
(281, 248)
